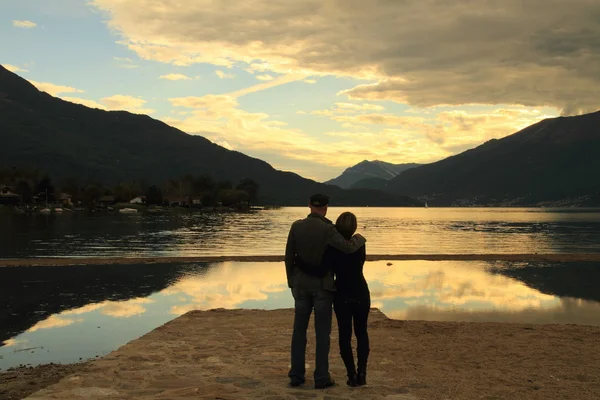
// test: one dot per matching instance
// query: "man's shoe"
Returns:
(297, 382)
(325, 385)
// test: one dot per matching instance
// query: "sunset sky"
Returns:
(315, 86)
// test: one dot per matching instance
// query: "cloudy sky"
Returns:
(314, 86)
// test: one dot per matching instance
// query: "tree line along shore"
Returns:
(29, 190)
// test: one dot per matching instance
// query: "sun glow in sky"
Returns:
(315, 86)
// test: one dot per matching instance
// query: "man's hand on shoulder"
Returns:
(336, 240)
(360, 237)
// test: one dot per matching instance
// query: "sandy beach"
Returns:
(63, 261)
(243, 354)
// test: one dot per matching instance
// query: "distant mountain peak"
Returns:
(369, 170)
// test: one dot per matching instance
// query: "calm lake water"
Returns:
(62, 314)
(388, 230)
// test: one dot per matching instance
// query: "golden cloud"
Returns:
(420, 52)
(350, 108)
(219, 118)
(223, 75)
(175, 77)
(380, 119)
(126, 62)
(264, 77)
(448, 132)
(24, 24)
(210, 101)
(53, 89)
(420, 137)
(356, 135)
(360, 107)
(85, 102)
(14, 68)
(128, 103)
(225, 144)
(116, 102)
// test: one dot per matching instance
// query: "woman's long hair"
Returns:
(346, 224)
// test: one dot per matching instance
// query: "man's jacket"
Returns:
(308, 239)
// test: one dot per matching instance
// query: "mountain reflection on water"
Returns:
(62, 314)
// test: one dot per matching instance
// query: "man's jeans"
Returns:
(304, 302)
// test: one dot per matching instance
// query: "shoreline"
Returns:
(66, 261)
(217, 353)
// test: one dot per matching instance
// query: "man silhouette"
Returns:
(308, 239)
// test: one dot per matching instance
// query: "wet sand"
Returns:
(25, 262)
(243, 354)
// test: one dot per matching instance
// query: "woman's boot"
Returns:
(361, 378)
(350, 368)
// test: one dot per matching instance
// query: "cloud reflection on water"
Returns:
(397, 290)
(439, 290)
(54, 321)
(566, 311)
(228, 285)
(418, 290)
(448, 285)
(13, 342)
(117, 309)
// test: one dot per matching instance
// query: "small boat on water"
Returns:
(127, 210)
(45, 211)
(58, 210)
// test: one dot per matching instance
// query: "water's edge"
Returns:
(65, 261)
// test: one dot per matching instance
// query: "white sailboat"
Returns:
(426, 206)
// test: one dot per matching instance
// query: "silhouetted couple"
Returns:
(316, 250)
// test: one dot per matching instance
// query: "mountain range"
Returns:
(66, 140)
(362, 174)
(555, 162)
(551, 163)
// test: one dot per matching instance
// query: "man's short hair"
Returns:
(318, 200)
